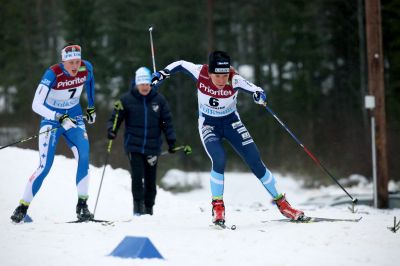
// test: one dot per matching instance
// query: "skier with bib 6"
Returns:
(217, 86)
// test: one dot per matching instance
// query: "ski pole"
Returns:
(29, 138)
(152, 48)
(118, 106)
(186, 149)
(315, 159)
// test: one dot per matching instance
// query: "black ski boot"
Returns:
(138, 207)
(148, 210)
(19, 213)
(82, 211)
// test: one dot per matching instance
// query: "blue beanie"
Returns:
(143, 76)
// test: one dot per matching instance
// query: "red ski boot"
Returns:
(287, 210)
(218, 212)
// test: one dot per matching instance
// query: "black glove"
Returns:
(171, 146)
(91, 115)
(159, 76)
(66, 121)
(111, 134)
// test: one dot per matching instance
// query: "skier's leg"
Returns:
(73, 149)
(242, 142)
(240, 139)
(212, 144)
(210, 137)
(77, 137)
(137, 162)
(150, 187)
(47, 144)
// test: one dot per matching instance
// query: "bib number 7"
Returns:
(73, 91)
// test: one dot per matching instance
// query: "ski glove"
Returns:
(171, 145)
(91, 115)
(159, 76)
(187, 150)
(66, 121)
(111, 134)
(259, 97)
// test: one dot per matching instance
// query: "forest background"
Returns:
(309, 56)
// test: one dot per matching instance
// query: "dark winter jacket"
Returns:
(145, 118)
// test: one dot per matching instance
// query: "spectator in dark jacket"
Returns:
(146, 114)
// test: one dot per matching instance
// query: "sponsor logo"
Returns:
(207, 111)
(73, 54)
(221, 70)
(222, 63)
(64, 104)
(241, 130)
(210, 91)
(247, 142)
(75, 81)
(46, 82)
(82, 68)
(206, 129)
(155, 107)
(246, 135)
(236, 124)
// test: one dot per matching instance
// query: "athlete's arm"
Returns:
(89, 84)
(185, 67)
(41, 93)
(242, 84)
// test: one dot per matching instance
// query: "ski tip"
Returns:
(220, 226)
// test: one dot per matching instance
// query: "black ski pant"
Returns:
(143, 174)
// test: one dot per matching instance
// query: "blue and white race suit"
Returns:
(219, 119)
(59, 93)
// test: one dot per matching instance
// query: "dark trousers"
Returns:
(143, 174)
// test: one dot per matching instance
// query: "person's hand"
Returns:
(171, 147)
(159, 76)
(259, 97)
(187, 150)
(91, 115)
(111, 135)
(66, 121)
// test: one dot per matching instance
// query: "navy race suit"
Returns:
(219, 119)
(59, 93)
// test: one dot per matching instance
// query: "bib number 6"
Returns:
(213, 102)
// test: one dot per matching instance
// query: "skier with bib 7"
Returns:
(57, 101)
(217, 86)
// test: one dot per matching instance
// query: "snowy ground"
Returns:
(180, 227)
